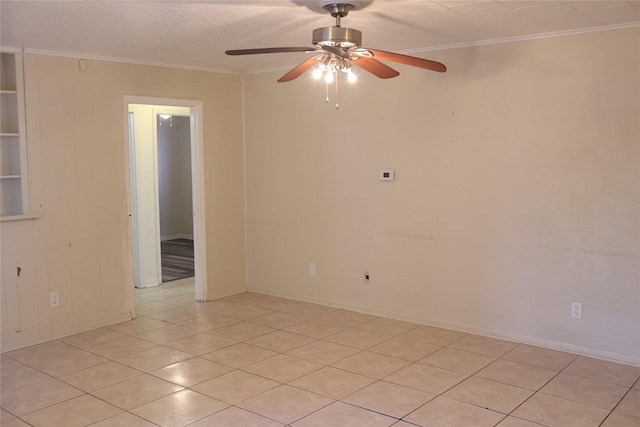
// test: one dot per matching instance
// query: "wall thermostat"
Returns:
(386, 175)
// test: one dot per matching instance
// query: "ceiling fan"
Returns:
(337, 48)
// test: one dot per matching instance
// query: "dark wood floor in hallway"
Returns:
(177, 259)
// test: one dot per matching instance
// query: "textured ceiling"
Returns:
(196, 33)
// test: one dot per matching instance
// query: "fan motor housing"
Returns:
(337, 36)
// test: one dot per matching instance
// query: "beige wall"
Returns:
(517, 191)
(80, 245)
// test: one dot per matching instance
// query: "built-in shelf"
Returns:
(14, 186)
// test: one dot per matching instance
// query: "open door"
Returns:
(142, 114)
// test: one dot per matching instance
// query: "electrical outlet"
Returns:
(54, 299)
(312, 269)
(576, 310)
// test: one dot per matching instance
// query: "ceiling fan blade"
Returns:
(299, 69)
(408, 60)
(375, 67)
(270, 50)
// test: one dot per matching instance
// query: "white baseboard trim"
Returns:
(521, 339)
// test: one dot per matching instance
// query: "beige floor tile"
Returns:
(516, 422)
(285, 404)
(71, 361)
(239, 355)
(200, 344)
(323, 352)
(489, 394)
(542, 357)
(282, 368)
(235, 387)
(279, 320)
(447, 412)
(177, 315)
(348, 318)
(234, 417)
(457, 360)
(331, 382)
(5, 416)
(242, 331)
(585, 390)
(161, 294)
(137, 325)
(121, 348)
(39, 352)
(208, 322)
(280, 341)
(16, 375)
(307, 309)
(517, 374)
(244, 312)
(100, 376)
(125, 419)
(433, 335)
(426, 378)
(167, 334)
(78, 412)
(249, 298)
(38, 396)
(616, 420)
(484, 345)
(549, 410)
(630, 405)
(389, 399)
(179, 409)
(386, 326)
(614, 373)
(372, 365)
(358, 338)
(191, 372)
(406, 349)
(316, 328)
(94, 337)
(136, 391)
(154, 358)
(154, 307)
(214, 306)
(16, 422)
(342, 414)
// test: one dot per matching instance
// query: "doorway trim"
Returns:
(197, 186)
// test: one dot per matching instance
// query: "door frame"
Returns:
(197, 188)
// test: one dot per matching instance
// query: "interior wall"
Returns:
(517, 191)
(174, 178)
(80, 245)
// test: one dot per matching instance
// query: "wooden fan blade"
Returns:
(270, 50)
(408, 60)
(375, 67)
(299, 69)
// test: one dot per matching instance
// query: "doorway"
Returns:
(144, 182)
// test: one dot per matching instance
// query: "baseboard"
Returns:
(522, 339)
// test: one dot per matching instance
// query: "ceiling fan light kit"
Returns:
(337, 48)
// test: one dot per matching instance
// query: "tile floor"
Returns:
(256, 360)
